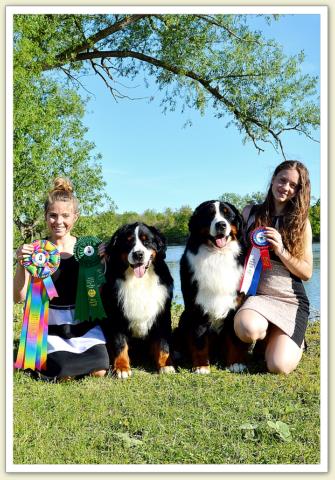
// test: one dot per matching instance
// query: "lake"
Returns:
(312, 287)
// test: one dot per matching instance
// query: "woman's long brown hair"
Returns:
(296, 211)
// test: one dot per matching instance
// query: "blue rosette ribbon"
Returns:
(257, 260)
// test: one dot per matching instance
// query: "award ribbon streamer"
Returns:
(42, 263)
(90, 278)
(258, 259)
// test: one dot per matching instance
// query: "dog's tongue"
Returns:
(220, 242)
(139, 271)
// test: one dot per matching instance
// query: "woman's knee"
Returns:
(282, 355)
(281, 365)
(250, 326)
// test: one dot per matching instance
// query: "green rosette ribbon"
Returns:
(90, 278)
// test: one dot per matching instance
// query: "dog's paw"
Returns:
(237, 368)
(167, 369)
(122, 373)
(202, 370)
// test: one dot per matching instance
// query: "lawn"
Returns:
(221, 418)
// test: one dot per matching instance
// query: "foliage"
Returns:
(197, 61)
(49, 138)
(172, 223)
(314, 217)
(240, 201)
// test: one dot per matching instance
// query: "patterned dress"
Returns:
(281, 296)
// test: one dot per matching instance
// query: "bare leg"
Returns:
(282, 354)
(98, 373)
(250, 326)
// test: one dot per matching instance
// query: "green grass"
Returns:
(222, 418)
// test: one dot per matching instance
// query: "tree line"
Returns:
(173, 223)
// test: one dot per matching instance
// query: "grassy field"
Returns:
(222, 418)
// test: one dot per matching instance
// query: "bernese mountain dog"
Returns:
(210, 269)
(137, 298)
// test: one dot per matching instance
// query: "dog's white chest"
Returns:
(218, 276)
(141, 299)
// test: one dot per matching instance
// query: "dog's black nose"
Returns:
(220, 227)
(138, 256)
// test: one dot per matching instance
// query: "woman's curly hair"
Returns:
(296, 211)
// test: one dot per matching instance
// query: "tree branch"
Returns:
(93, 39)
(74, 79)
(180, 71)
(297, 129)
(210, 19)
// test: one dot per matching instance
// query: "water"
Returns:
(312, 287)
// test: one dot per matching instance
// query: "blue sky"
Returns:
(150, 161)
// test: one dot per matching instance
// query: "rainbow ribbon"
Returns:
(44, 261)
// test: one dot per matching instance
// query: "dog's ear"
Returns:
(238, 219)
(193, 221)
(112, 242)
(193, 224)
(160, 241)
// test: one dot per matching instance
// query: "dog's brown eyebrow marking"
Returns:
(143, 237)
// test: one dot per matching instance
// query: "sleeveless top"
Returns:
(280, 297)
(65, 280)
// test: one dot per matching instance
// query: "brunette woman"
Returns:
(277, 315)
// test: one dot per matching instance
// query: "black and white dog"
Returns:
(211, 268)
(137, 297)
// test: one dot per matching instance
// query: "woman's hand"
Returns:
(275, 240)
(104, 257)
(302, 267)
(102, 250)
(21, 277)
(23, 252)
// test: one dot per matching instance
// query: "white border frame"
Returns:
(248, 468)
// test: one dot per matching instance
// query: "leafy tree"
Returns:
(240, 201)
(49, 140)
(178, 232)
(314, 217)
(173, 224)
(199, 60)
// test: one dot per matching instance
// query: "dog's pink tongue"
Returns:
(220, 242)
(139, 271)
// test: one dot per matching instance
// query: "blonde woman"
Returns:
(74, 349)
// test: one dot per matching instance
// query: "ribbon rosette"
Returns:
(91, 277)
(258, 259)
(41, 264)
